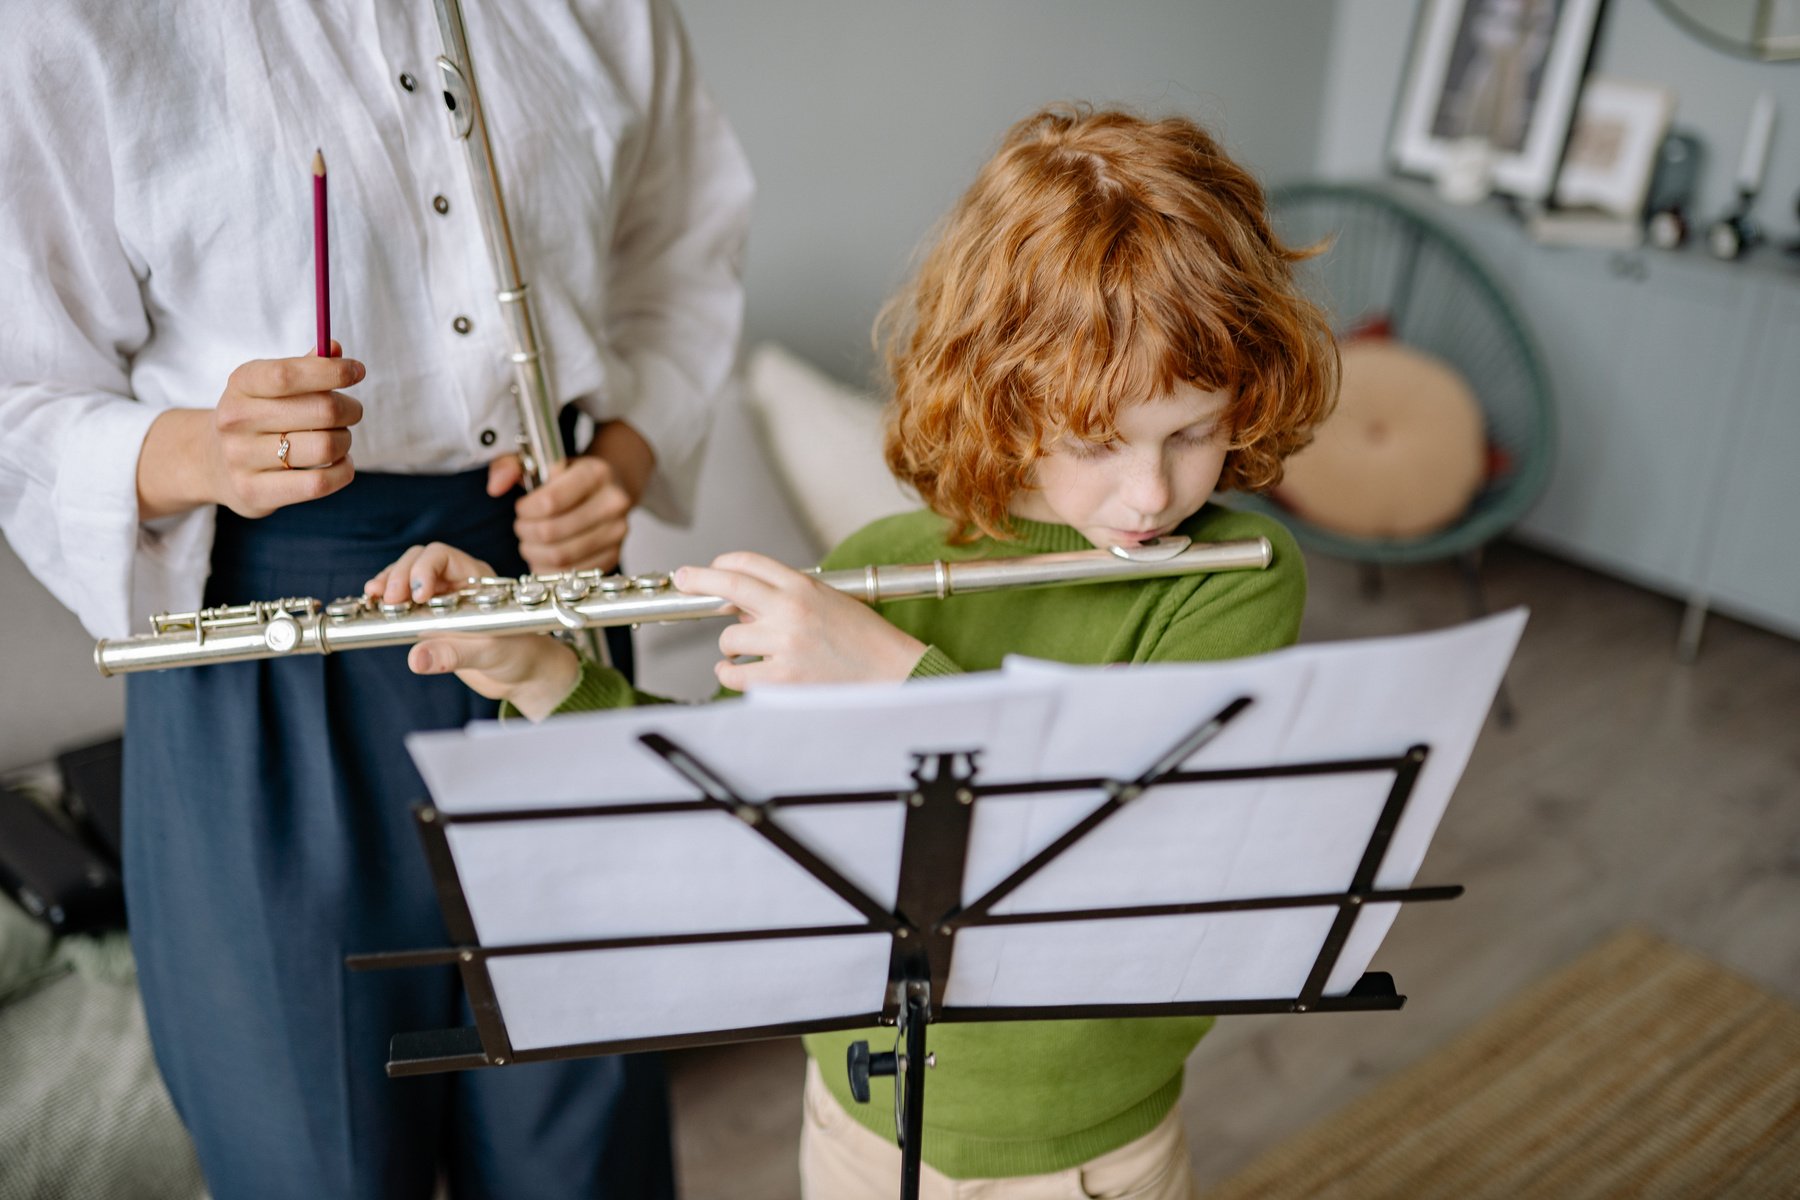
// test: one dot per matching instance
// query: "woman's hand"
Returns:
(231, 455)
(535, 672)
(579, 519)
(799, 629)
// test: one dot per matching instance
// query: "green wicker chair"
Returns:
(1387, 262)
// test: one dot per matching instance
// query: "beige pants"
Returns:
(841, 1160)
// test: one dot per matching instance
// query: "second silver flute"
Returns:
(540, 441)
(591, 600)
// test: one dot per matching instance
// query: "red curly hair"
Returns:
(1098, 258)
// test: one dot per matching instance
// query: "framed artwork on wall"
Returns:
(1501, 75)
(1619, 127)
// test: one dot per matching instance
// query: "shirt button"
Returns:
(442, 205)
(407, 82)
(487, 437)
(462, 324)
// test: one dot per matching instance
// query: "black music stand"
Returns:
(918, 932)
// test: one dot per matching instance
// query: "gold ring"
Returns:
(281, 452)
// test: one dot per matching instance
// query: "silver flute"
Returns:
(540, 442)
(581, 600)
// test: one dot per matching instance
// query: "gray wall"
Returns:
(1636, 40)
(866, 118)
(51, 697)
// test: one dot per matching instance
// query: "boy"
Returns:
(1105, 332)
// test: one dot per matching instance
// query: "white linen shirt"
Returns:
(156, 232)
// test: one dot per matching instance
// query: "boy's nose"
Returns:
(1147, 490)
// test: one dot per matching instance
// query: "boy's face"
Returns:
(1163, 467)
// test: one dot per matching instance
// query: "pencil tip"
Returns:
(318, 162)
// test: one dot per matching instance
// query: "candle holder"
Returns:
(1736, 233)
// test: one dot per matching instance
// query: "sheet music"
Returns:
(584, 876)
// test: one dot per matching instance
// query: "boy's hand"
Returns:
(423, 572)
(799, 629)
(536, 673)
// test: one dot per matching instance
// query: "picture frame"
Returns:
(1502, 74)
(1612, 149)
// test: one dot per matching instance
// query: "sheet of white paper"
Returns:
(1116, 723)
(689, 873)
(572, 999)
(1193, 843)
(1268, 838)
(819, 742)
(1253, 955)
(1381, 696)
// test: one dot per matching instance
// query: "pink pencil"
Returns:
(321, 257)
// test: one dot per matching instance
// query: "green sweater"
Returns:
(1029, 1097)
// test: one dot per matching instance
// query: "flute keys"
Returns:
(572, 589)
(533, 592)
(397, 608)
(282, 633)
(612, 585)
(489, 597)
(344, 608)
(448, 602)
(650, 583)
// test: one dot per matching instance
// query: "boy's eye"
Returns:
(1078, 448)
(1195, 434)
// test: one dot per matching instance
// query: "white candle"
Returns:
(1756, 143)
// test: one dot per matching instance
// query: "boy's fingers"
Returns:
(745, 641)
(396, 580)
(745, 592)
(440, 656)
(431, 572)
(759, 567)
(732, 675)
(444, 568)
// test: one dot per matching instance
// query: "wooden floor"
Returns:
(1632, 789)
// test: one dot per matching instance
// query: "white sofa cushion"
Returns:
(824, 440)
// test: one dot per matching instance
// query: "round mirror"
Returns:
(1768, 30)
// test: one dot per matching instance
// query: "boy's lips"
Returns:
(1139, 535)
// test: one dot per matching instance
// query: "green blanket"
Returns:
(83, 1112)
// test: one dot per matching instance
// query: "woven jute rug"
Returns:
(1640, 1070)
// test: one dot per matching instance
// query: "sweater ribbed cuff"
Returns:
(599, 686)
(934, 662)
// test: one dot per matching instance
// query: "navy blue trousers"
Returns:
(268, 834)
